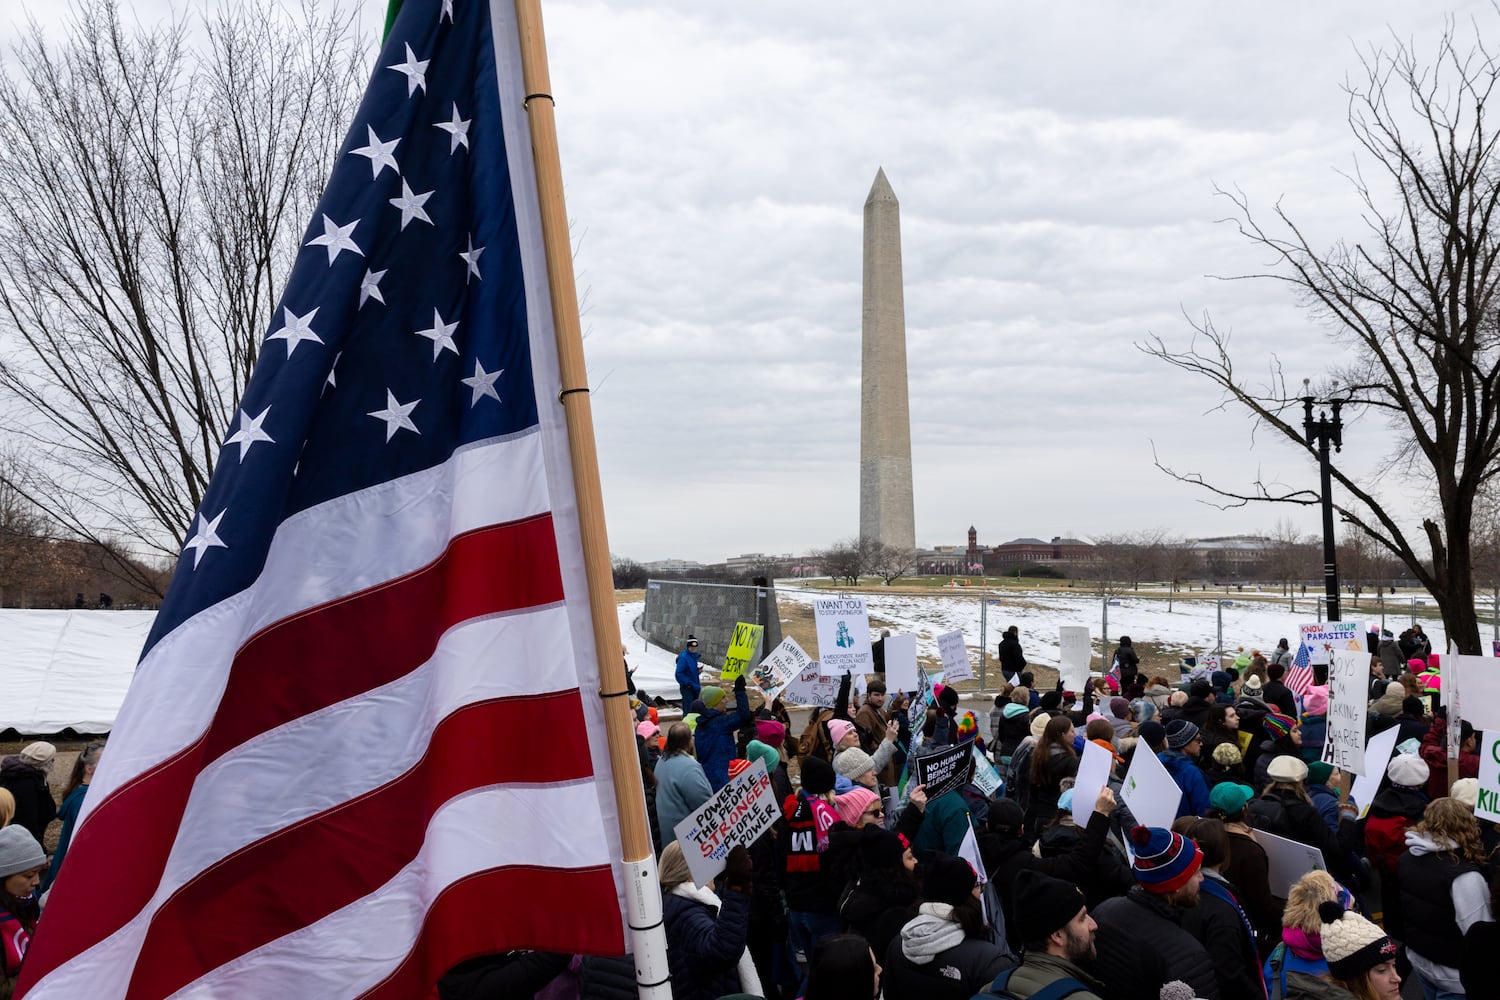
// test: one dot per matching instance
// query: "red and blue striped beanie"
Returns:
(1164, 861)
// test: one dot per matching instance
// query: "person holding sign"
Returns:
(714, 736)
(707, 931)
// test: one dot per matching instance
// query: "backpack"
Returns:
(1055, 990)
(1269, 815)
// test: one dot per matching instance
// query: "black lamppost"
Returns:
(1323, 431)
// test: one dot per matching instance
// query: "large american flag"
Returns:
(363, 741)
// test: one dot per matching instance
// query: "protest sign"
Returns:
(942, 770)
(843, 635)
(916, 713)
(1348, 678)
(968, 849)
(1076, 650)
(1149, 791)
(986, 778)
(1478, 679)
(1093, 773)
(780, 667)
(1377, 755)
(955, 656)
(810, 687)
(1015, 680)
(1209, 661)
(738, 813)
(901, 663)
(1488, 804)
(743, 645)
(1288, 861)
(1323, 638)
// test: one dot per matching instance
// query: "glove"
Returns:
(738, 869)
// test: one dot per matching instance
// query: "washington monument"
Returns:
(885, 504)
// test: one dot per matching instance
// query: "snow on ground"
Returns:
(652, 667)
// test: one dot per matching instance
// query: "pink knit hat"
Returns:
(838, 729)
(852, 804)
(1315, 701)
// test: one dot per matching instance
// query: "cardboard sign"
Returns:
(901, 663)
(1288, 861)
(811, 687)
(955, 656)
(1488, 804)
(986, 778)
(1348, 680)
(1478, 678)
(743, 646)
(1149, 791)
(779, 668)
(1377, 755)
(738, 813)
(916, 714)
(1076, 651)
(1093, 774)
(843, 635)
(942, 770)
(1209, 662)
(1323, 638)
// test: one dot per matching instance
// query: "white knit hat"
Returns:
(1466, 790)
(1352, 945)
(1287, 768)
(1407, 771)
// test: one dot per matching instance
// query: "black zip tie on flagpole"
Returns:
(569, 392)
(530, 96)
(614, 694)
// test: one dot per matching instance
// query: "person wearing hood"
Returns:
(1014, 725)
(1168, 874)
(1435, 753)
(1443, 893)
(1181, 761)
(943, 953)
(707, 931)
(1398, 806)
(1119, 718)
(714, 736)
(1126, 661)
(1298, 959)
(689, 674)
(25, 775)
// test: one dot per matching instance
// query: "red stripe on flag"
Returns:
(304, 872)
(288, 670)
(492, 912)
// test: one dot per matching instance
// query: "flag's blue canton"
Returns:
(391, 343)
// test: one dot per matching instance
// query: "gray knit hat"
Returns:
(19, 851)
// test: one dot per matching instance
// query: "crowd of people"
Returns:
(867, 887)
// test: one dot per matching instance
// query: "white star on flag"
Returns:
(457, 129)
(483, 383)
(397, 416)
(369, 287)
(331, 381)
(336, 238)
(447, 12)
(411, 204)
(205, 538)
(471, 258)
(295, 329)
(250, 431)
(415, 70)
(441, 335)
(379, 153)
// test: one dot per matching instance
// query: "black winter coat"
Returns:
(1006, 857)
(955, 974)
(1108, 876)
(607, 979)
(1012, 661)
(502, 977)
(35, 807)
(1132, 972)
(1218, 925)
(704, 948)
(877, 909)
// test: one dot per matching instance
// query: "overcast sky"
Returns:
(1055, 165)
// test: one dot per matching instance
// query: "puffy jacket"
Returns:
(687, 670)
(945, 826)
(1220, 923)
(1392, 811)
(35, 807)
(1287, 815)
(877, 908)
(1109, 875)
(1039, 971)
(931, 960)
(1430, 880)
(1014, 726)
(1190, 779)
(1314, 734)
(1133, 972)
(714, 737)
(1435, 753)
(704, 945)
(607, 979)
(1006, 857)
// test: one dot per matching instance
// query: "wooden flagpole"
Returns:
(642, 890)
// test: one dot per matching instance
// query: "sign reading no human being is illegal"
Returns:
(942, 770)
(843, 626)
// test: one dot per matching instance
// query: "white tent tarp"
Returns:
(67, 669)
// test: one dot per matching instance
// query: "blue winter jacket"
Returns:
(714, 738)
(1194, 786)
(687, 669)
(703, 951)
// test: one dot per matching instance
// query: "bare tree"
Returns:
(843, 561)
(26, 552)
(1178, 563)
(891, 562)
(1413, 303)
(152, 198)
